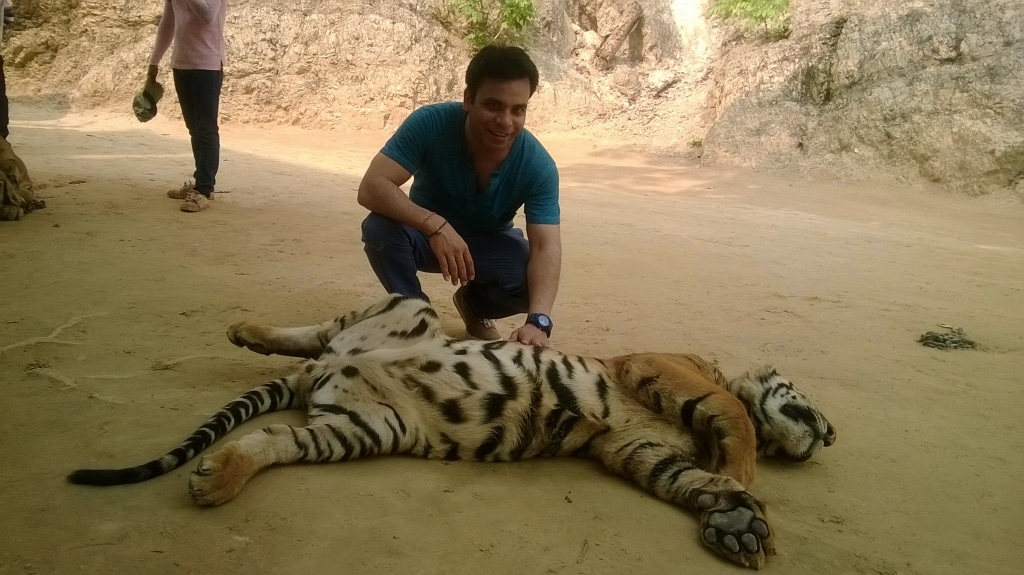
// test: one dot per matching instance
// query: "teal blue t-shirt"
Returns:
(431, 145)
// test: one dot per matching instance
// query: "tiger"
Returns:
(386, 379)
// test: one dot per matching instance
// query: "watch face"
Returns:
(541, 321)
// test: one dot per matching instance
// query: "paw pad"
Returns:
(733, 525)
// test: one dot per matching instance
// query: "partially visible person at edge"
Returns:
(196, 28)
(473, 166)
(8, 19)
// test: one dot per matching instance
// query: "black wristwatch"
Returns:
(542, 321)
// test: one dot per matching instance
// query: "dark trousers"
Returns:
(397, 252)
(199, 97)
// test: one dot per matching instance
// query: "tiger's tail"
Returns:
(276, 395)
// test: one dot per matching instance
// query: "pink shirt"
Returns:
(197, 29)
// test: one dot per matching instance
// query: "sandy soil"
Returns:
(112, 349)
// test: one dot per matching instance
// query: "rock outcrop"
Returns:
(932, 89)
(935, 88)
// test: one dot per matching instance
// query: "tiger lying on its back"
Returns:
(387, 380)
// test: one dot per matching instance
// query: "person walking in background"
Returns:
(473, 166)
(196, 28)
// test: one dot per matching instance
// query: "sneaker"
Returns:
(182, 192)
(195, 202)
(479, 328)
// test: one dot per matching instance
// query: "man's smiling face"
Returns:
(496, 115)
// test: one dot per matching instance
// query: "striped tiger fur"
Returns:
(387, 380)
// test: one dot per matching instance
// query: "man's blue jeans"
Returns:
(199, 97)
(397, 252)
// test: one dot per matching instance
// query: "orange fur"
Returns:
(665, 382)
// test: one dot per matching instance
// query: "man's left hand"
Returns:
(530, 334)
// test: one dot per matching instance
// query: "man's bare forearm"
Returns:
(542, 276)
(381, 196)
(380, 192)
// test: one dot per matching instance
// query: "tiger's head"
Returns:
(788, 426)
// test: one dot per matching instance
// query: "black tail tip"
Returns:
(106, 476)
(88, 477)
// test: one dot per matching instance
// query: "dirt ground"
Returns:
(114, 304)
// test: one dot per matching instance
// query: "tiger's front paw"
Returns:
(249, 336)
(10, 213)
(733, 524)
(220, 476)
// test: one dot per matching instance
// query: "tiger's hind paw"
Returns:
(220, 476)
(249, 336)
(734, 526)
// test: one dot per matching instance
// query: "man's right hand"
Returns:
(452, 255)
(151, 73)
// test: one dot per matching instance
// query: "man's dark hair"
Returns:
(500, 63)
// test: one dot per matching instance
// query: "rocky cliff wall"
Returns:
(932, 89)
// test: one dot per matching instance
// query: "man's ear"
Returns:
(467, 101)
